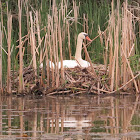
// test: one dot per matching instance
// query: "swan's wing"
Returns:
(85, 64)
(73, 64)
(68, 64)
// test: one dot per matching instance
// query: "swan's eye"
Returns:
(86, 35)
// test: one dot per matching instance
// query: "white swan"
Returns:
(78, 58)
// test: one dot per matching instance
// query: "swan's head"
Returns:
(83, 36)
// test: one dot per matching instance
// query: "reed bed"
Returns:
(49, 34)
(120, 41)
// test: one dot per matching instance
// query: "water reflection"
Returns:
(84, 117)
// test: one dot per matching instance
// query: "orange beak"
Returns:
(87, 38)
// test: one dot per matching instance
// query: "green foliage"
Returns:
(135, 63)
(97, 16)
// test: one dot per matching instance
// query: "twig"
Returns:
(59, 92)
(125, 84)
(96, 37)
(86, 52)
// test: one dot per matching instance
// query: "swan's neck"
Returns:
(78, 49)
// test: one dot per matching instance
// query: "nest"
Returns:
(77, 81)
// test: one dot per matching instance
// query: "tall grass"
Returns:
(47, 31)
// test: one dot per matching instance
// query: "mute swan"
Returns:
(78, 59)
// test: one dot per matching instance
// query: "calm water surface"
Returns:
(70, 118)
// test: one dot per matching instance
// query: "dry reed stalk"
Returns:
(113, 53)
(0, 57)
(106, 51)
(53, 41)
(21, 81)
(117, 72)
(63, 42)
(117, 58)
(87, 24)
(9, 28)
(139, 83)
(66, 7)
(139, 28)
(75, 8)
(46, 53)
(101, 37)
(63, 10)
(84, 26)
(50, 49)
(114, 72)
(38, 35)
(1, 15)
(33, 47)
(60, 46)
(84, 19)
(110, 54)
(86, 52)
(76, 11)
(65, 28)
(68, 29)
(110, 38)
(28, 27)
(124, 43)
(56, 46)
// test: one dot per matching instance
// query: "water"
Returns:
(70, 118)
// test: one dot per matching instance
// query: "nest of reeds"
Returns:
(76, 81)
